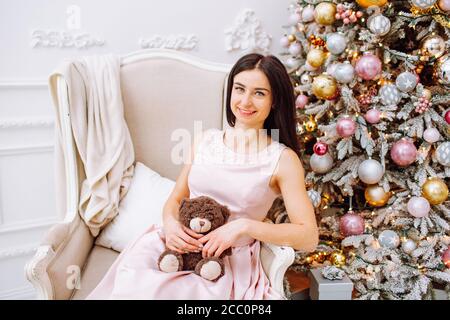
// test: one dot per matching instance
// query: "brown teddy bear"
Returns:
(202, 215)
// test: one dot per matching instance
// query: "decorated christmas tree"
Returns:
(372, 79)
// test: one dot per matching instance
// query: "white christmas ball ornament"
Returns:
(443, 154)
(336, 43)
(321, 164)
(389, 239)
(431, 135)
(305, 79)
(406, 81)
(389, 95)
(314, 196)
(308, 14)
(331, 68)
(370, 171)
(423, 4)
(344, 72)
(379, 24)
(295, 49)
(294, 19)
(418, 207)
(293, 63)
(409, 246)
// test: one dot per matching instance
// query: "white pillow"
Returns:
(140, 208)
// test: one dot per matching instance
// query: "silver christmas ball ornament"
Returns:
(389, 95)
(423, 4)
(370, 171)
(344, 72)
(315, 198)
(321, 164)
(379, 24)
(443, 70)
(389, 239)
(409, 246)
(406, 81)
(336, 43)
(443, 154)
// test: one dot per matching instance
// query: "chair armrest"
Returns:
(275, 261)
(60, 257)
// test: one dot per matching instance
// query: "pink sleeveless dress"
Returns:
(239, 181)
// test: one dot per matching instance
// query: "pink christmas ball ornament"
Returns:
(403, 152)
(444, 5)
(301, 101)
(418, 207)
(351, 224)
(345, 127)
(373, 116)
(446, 258)
(320, 148)
(431, 135)
(368, 67)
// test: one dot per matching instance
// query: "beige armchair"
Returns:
(162, 90)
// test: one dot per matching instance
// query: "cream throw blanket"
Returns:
(101, 136)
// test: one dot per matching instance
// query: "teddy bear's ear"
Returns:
(183, 202)
(225, 212)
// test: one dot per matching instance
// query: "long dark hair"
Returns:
(282, 113)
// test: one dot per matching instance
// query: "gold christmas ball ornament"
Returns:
(433, 46)
(325, 13)
(311, 125)
(325, 87)
(426, 93)
(368, 3)
(435, 191)
(316, 57)
(291, 38)
(337, 259)
(376, 196)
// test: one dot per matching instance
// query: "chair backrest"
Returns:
(167, 90)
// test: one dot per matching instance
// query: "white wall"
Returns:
(27, 194)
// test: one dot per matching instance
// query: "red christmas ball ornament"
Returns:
(351, 224)
(446, 258)
(447, 116)
(320, 148)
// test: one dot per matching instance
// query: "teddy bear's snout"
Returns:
(200, 225)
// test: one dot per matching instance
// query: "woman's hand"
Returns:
(181, 239)
(222, 238)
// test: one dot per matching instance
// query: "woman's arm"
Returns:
(301, 233)
(178, 237)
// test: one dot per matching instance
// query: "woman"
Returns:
(250, 168)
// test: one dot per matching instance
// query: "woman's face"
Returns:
(251, 99)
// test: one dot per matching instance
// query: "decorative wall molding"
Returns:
(18, 251)
(176, 42)
(247, 34)
(27, 123)
(9, 151)
(63, 39)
